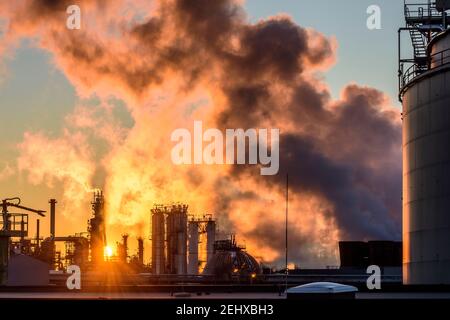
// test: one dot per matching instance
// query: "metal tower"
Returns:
(423, 21)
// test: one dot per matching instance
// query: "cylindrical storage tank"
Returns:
(426, 174)
(181, 257)
(177, 239)
(440, 55)
(193, 247)
(182, 240)
(158, 261)
(210, 239)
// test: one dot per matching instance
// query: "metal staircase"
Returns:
(420, 48)
(424, 21)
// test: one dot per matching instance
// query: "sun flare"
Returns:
(108, 252)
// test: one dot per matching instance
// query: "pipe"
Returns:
(37, 233)
(52, 217)
(141, 250)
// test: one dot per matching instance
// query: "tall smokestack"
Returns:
(97, 229)
(37, 233)
(210, 238)
(141, 250)
(124, 251)
(52, 217)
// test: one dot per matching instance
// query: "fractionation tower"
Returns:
(173, 233)
(97, 230)
(158, 239)
(193, 237)
(206, 227)
(424, 82)
(176, 221)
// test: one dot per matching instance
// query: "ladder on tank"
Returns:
(420, 49)
(423, 22)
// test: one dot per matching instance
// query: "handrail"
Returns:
(434, 61)
(421, 10)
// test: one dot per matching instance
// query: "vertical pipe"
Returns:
(37, 233)
(287, 219)
(210, 239)
(141, 251)
(52, 217)
(22, 231)
(400, 73)
(179, 255)
(184, 239)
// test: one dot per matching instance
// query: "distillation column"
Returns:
(210, 238)
(193, 231)
(158, 256)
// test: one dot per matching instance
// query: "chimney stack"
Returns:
(37, 232)
(141, 250)
(52, 217)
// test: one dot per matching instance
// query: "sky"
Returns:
(45, 105)
(367, 57)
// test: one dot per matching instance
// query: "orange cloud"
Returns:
(185, 60)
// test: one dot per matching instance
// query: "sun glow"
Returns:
(108, 252)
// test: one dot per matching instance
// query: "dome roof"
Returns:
(226, 263)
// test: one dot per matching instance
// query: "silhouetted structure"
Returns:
(97, 232)
(425, 93)
(231, 261)
(358, 254)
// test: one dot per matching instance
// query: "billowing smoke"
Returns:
(187, 60)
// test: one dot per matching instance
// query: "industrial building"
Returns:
(21, 255)
(182, 245)
(231, 261)
(176, 240)
(424, 81)
(15, 226)
(360, 254)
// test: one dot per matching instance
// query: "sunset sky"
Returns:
(94, 108)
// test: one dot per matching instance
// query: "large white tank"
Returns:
(426, 171)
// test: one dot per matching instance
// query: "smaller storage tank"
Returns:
(231, 261)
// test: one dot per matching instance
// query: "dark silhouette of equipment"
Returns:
(13, 225)
(97, 231)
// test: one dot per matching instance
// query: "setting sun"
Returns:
(108, 252)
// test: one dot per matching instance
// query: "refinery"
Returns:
(176, 248)
(184, 250)
(189, 256)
